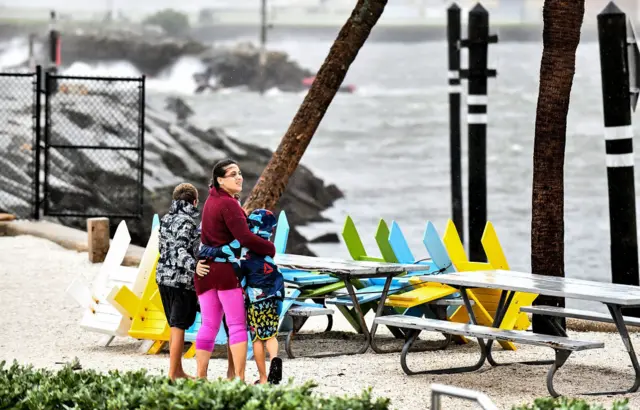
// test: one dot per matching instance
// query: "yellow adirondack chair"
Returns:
(486, 299)
(148, 320)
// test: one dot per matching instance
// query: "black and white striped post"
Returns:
(454, 30)
(616, 96)
(477, 73)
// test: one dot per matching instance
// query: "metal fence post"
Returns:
(47, 136)
(141, 126)
(38, 141)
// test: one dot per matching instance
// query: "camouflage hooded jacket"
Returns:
(179, 241)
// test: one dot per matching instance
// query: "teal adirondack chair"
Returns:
(308, 285)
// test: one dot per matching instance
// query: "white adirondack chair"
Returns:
(99, 315)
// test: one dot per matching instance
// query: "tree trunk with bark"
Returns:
(286, 158)
(561, 34)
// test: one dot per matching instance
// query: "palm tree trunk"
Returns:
(351, 38)
(561, 35)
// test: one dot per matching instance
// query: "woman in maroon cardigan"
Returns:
(219, 291)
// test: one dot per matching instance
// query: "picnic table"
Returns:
(347, 270)
(614, 296)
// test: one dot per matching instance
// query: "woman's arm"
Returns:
(236, 221)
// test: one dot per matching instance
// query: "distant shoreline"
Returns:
(381, 33)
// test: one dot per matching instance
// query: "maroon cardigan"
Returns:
(224, 220)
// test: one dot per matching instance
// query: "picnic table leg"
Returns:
(506, 298)
(322, 301)
(413, 335)
(616, 314)
(561, 357)
(358, 309)
(397, 332)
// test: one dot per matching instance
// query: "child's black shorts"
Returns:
(180, 306)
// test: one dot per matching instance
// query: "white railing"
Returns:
(438, 390)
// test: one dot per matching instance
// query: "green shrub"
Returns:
(23, 387)
(564, 403)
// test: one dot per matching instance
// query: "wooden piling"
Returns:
(98, 237)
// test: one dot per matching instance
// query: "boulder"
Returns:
(240, 66)
(106, 181)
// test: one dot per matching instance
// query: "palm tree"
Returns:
(561, 34)
(286, 158)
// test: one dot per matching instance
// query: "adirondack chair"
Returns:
(145, 309)
(496, 257)
(99, 315)
(426, 292)
(297, 277)
(309, 285)
(486, 300)
(400, 248)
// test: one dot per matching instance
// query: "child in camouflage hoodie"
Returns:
(179, 242)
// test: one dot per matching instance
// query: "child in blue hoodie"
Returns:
(264, 288)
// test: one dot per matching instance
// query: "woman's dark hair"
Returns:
(219, 171)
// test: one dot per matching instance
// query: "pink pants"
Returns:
(213, 303)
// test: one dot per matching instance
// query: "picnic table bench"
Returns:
(614, 296)
(549, 312)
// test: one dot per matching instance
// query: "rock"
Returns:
(239, 66)
(179, 107)
(331, 237)
(104, 181)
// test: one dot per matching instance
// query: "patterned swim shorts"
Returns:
(262, 319)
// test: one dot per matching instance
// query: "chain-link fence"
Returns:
(94, 140)
(19, 144)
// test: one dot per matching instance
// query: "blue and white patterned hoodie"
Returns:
(179, 241)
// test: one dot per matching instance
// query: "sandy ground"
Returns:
(39, 325)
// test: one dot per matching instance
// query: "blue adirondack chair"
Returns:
(296, 277)
(299, 278)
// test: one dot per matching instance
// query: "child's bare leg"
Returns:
(272, 347)
(259, 356)
(176, 346)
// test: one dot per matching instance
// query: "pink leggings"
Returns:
(212, 305)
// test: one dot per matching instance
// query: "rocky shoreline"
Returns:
(105, 181)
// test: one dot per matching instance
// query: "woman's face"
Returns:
(232, 180)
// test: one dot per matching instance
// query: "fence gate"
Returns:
(94, 146)
(19, 148)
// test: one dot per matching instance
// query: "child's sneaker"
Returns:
(275, 371)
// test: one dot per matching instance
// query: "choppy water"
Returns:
(387, 147)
